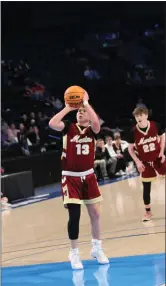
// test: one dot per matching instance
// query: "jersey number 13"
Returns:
(82, 149)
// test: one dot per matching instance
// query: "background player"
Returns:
(149, 141)
(79, 183)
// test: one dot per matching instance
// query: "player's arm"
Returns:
(95, 124)
(131, 150)
(56, 122)
(132, 153)
(162, 143)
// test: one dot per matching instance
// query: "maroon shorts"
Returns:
(80, 190)
(151, 170)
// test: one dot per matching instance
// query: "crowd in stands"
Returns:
(112, 157)
(33, 91)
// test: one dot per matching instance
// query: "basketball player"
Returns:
(79, 183)
(149, 141)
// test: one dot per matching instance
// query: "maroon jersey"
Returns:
(78, 149)
(147, 142)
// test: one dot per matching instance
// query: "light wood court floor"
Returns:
(36, 233)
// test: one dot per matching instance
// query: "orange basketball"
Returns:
(74, 96)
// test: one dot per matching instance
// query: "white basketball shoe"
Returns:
(75, 260)
(98, 253)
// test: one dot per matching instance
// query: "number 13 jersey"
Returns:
(147, 142)
(78, 148)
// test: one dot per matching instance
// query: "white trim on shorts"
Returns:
(77, 174)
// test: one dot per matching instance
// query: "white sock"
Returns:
(75, 250)
(96, 242)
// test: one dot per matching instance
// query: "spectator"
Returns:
(33, 135)
(38, 91)
(100, 159)
(33, 119)
(57, 103)
(25, 121)
(112, 161)
(129, 161)
(124, 144)
(121, 164)
(12, 134)
(4, 133)
(23, 140)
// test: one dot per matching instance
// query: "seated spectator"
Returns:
(25, 121)
(33, 119)
(56, 102)
(100, 159)
(12, 134)
(124, 144)
(4, 133)
(112, 160)
(38, 91)
(33, 135)
(129, 161)
(121, 163)
(23, 140)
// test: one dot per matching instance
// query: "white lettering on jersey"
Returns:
(148, 140)
(82, 140)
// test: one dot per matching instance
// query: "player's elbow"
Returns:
(96, 127)
(52, 124)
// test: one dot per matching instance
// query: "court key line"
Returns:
(65, 243)
(81, 243)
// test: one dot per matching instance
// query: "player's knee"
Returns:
(73, 227)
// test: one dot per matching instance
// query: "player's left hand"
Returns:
(162, 156)
(86, 96)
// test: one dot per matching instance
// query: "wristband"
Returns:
(85, 102)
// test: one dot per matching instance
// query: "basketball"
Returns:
(74, 96)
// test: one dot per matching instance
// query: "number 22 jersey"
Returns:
(147, 141)
(78, 148)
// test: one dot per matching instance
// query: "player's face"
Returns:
(82, 116)
(142, 119)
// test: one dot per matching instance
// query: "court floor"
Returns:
(35, 245)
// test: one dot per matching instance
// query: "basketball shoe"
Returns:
(98, 253)
(75, 260)
(147, 216)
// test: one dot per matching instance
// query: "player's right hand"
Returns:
(140, 166)
(70, 108)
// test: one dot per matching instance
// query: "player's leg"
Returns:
(72, 198)
(97, 251)
(147, 200)
(147, 177)
(74, 211)
(92, 201)
(94, 214)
